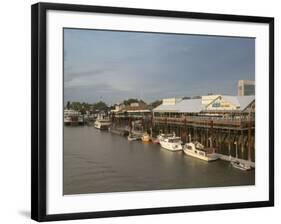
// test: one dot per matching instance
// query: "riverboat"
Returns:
(72, 117)
(102, 122)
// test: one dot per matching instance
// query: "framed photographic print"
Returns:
(139, 111)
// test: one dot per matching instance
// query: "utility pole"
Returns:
(250, 135)
(236, 149)
(211, 134)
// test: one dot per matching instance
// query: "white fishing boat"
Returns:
(102, 122)
(197, 150)
(239, 165)
(162, 136)
(172, 143)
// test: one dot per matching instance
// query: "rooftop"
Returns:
(214, 103)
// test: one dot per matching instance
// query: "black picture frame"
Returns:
(39, 107)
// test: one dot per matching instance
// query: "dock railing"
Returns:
(206, 121)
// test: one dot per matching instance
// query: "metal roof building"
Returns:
(226, 123)
(213, 103)
(184, 106)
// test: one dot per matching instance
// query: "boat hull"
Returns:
(101, 126)
(133, 138)
(145, 138)
(156, 141)
(237, 166)
(171, 146)
(208, 158)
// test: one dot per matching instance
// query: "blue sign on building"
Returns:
(216, 104)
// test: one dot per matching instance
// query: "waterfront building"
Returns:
(246, 88)
(136, 110)
(118, 108)
(220, 121)
(133, 117)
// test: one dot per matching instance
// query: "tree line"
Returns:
(102, 106)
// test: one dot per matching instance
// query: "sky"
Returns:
(112, 65)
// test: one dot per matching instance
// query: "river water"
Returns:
(98, 161)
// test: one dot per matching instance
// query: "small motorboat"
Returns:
(241, 166)
(145, 137)
(133, 137)
(162, 136)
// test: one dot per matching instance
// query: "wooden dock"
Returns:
(225, 123)
(226, 134)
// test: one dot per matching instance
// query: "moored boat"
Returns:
(133, 137)
(67, 120)
(173, 143)
(145, 137)
(197, 150)
(72, 117)
(239, 165)
(162, 137)
(102, 122)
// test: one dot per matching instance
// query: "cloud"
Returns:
(69, 75)
(120, 65)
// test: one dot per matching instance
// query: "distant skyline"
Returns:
(113, 66)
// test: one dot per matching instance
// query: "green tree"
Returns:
(100, 106)
(155, 104)
(68, 105)
(129, 101)
(76, 106)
